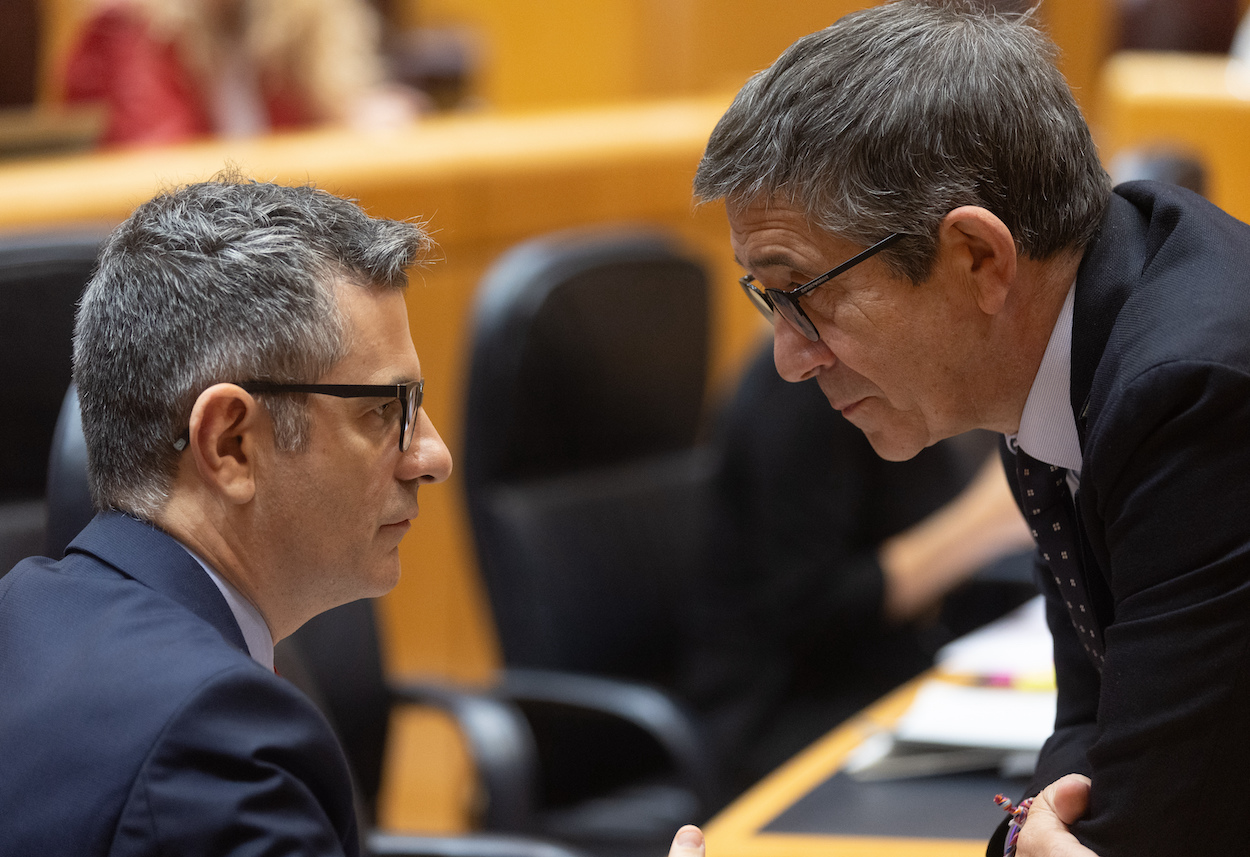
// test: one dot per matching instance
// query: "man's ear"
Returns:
(226, 428)
(983, 251)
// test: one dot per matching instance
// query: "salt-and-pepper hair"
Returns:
(225, 280)
(895, 115)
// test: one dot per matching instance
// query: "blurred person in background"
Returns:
(834, 576)
(168, 71)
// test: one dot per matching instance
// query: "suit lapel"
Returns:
(156, 560)
(1110, 266)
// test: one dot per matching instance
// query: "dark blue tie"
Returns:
(1048, 510)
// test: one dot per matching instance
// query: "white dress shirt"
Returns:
(251, 623)
(1047, 424)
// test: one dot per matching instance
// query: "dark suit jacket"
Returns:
(133, 721)
(1161, 391)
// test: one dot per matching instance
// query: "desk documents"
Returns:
(815, 807)
(990, 704)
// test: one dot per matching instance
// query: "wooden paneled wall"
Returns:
(570, 52)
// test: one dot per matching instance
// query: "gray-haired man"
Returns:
(251, 403)
(922, 213)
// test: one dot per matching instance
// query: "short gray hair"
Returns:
(225, 280)
(895, 115)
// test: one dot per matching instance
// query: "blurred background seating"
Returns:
(41, 277)
(790, 627)
(585, 396)
(585, 483)
(501, 55)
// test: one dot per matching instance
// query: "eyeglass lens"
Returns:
(758, 298)
(790, 310)
(780, 302)
(416, 392)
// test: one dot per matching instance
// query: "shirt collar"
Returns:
(251, 622)
(1047, 424)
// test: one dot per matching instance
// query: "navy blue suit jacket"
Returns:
(1161, 392)
(133, 721)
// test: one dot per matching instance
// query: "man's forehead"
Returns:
(378, 343)
(778, 235)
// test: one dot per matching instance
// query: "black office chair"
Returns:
(586, 386)
(336, 660)
(585, 484)
(69, 503)
(41, 278)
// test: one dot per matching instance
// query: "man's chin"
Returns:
(390, 578)
(893, 439)
(384, 577)
(892, 447)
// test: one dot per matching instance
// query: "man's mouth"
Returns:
(401, 523)
(846, 405)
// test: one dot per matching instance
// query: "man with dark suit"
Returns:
(251, 402)
(922, 213)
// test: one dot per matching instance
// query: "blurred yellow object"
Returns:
(1023, 681)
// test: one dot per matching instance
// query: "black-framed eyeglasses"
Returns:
(409, 396)
(787, 302)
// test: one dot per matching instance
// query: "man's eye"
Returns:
(388, 410)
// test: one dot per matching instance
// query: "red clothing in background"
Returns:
(149, 94)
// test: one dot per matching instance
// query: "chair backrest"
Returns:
(581, 460)
(336, 659)
(69, 503)
(587, 349)
(41, 278)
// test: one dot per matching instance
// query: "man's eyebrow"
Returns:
(773, 260)
(393, 381)
(401, 377)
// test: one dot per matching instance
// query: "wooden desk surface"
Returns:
(738, 831)
(435, 156)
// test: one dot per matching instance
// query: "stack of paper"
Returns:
(990, 704)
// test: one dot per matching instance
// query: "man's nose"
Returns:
(796, 356)
(427, 458)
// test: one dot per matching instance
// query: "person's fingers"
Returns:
(1046, 830)
(687, 843)
(1070, 797)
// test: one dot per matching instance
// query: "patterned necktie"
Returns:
(1048, 509)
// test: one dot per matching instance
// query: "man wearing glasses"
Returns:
(251, 402)
(922, 215)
